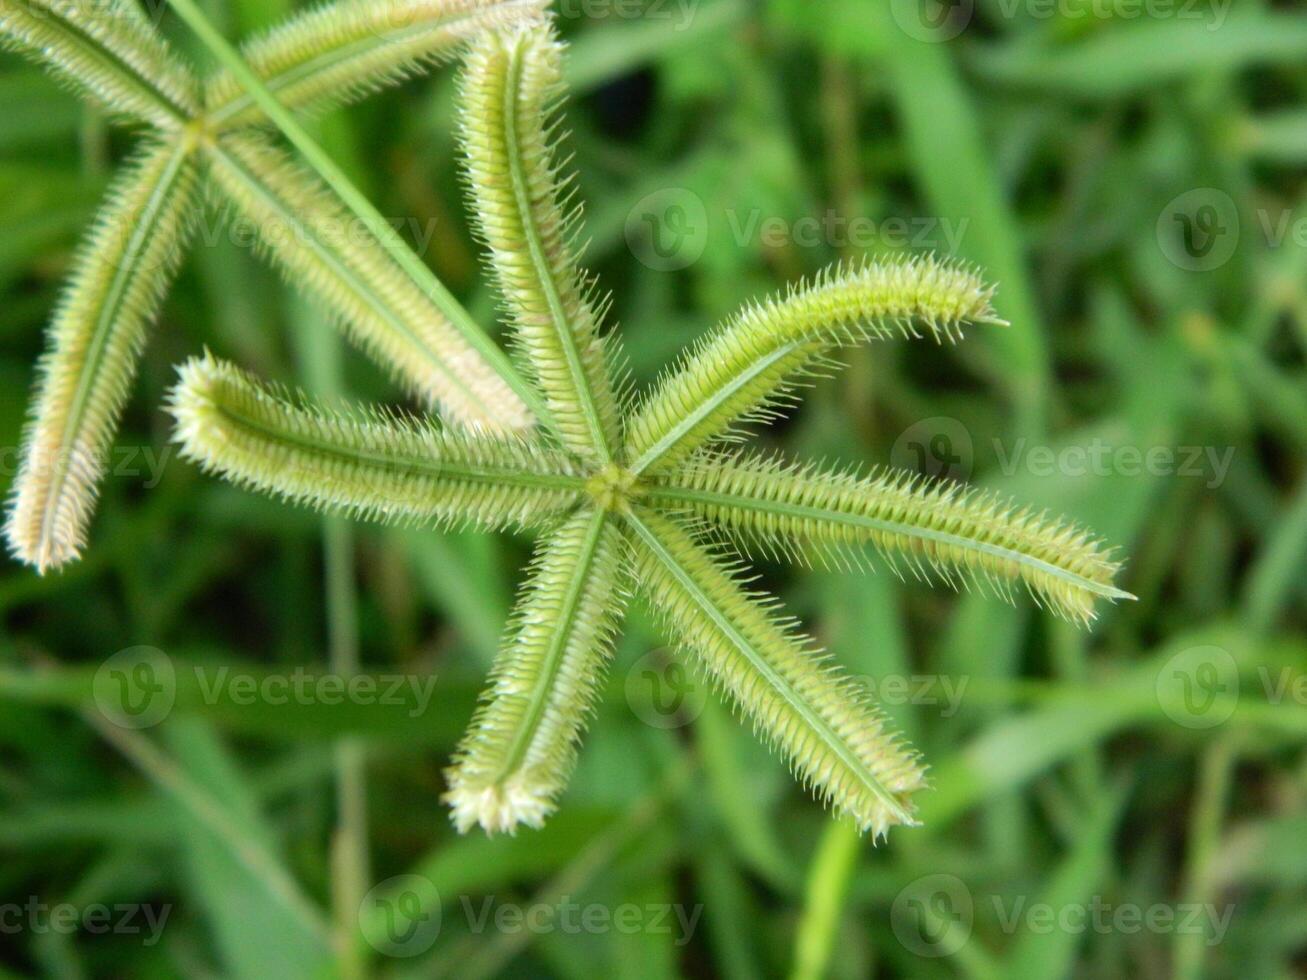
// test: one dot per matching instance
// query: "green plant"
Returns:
(646, 493)
(376, 291)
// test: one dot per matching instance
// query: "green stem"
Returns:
(825, 899)
(349, 848)
(362, 208)
(320, 365)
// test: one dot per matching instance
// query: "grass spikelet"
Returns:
(838, 743)
(746, 368)
(106, 52)
(521, 747)
(940, 531)
(312, 238)
(366, 464)
(338, 53)
(120, 277)
(512, 82)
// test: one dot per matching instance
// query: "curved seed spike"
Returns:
(520, 748)
(743, 370)
(837, 742)
(941, 529)
(326, 253)
(118, 283)
(366, 464)
(339, 53)
(511, 84)
(107, 52)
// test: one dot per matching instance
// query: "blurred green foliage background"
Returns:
(1124, 802)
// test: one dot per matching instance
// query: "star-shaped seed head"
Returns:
(639, 497)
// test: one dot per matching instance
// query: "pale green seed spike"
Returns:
(520, 749)
(365, 464)
(339, 53)
(106, 52)
(511, 85)
(939, 529)
(332, 258)
(750, 364)
(118, 283)
(837, 742)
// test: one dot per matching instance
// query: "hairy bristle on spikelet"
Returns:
(364, 463)
(525, 219)
(338, 53)
(303, 226)
(118, 283)
(107, 52)
(937, 530)
(521, 746)
(746, 369)
(836, 741)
